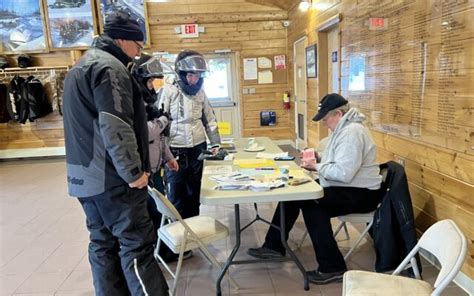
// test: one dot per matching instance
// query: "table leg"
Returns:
(234, 251)
(288, 249)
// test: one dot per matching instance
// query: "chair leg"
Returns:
(361, 236)
(300, 242)
(178, 266)
(213, 259)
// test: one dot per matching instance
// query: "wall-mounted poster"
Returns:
(21, 26)
(311, 61)
(135, 8)
(70, 22)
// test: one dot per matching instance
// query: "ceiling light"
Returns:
(304, 5)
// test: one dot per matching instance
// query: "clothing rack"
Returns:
(8, 72)
(50, 74)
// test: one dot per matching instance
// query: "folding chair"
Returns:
(186, 234)
(443, 239)
(356, 218)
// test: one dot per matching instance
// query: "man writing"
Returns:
(350, 178)
(107, 161)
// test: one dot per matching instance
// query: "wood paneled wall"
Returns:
(249, 30)
(418, 96)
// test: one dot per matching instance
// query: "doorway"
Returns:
(300, 95)
(221, 87)
(329, 63)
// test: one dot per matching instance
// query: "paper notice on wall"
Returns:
(250, 69)
(265, 77)
(264, 63)
(280, 63)
(224, 128)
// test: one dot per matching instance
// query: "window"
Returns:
(218, 82)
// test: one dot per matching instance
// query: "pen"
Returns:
(265, 169)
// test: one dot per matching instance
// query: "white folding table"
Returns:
(307, 191)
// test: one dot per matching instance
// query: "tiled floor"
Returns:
(43, 248)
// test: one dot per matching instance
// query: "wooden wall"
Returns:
(419, 96)
(249, 30)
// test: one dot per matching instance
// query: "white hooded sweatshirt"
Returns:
(350, 156)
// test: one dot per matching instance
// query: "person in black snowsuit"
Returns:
(108, 164)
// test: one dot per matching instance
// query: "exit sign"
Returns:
(190, 31)
(378, 23)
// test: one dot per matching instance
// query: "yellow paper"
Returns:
(298, 173)
(254, 163)
(224, 128)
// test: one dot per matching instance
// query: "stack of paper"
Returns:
(266, 155)
(253, 185)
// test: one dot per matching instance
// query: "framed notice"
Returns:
(135, 9)
(22, 28)
(70, 24)
(311, 61)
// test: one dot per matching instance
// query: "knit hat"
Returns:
(120, 26)
(328, 103)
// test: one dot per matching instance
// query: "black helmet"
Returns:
(3, 62)
(24, 61)
(190, 61)
(148, 66)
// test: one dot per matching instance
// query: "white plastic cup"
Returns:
(250, 142)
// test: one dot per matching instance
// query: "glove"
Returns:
(151, 112)
(162, 112)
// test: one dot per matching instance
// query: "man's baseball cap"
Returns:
(329, 102)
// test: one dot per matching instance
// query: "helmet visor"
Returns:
(193, 63)
(151, 68)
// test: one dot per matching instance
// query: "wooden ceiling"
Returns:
(282, 4)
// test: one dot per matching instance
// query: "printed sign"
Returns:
(190, 31)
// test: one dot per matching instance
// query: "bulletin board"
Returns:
(278, 75)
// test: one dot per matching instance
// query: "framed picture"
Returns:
(136, 9)
(22, 27)
(70, 23)
(311, 61)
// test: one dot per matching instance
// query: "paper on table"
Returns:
(254, 163)
(271, 155)
(217, 169)
(297, 173)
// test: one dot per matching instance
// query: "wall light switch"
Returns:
(252, 90)
(245, 91)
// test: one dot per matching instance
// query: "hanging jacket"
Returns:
(35, 96)
(393, 230)
(16, 106)
(4, 115)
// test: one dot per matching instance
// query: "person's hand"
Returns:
(173, 165)
(140, 183)
(214, 150)
(309, 165)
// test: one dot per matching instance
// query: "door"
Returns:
(221, 88)
(300, 95)
(333, 60)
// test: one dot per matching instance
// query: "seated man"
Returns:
(349, 175)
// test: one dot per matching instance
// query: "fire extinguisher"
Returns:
(286, 100)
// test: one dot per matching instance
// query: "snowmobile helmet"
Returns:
(190, 61)
(24, 61)
(148, 66)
